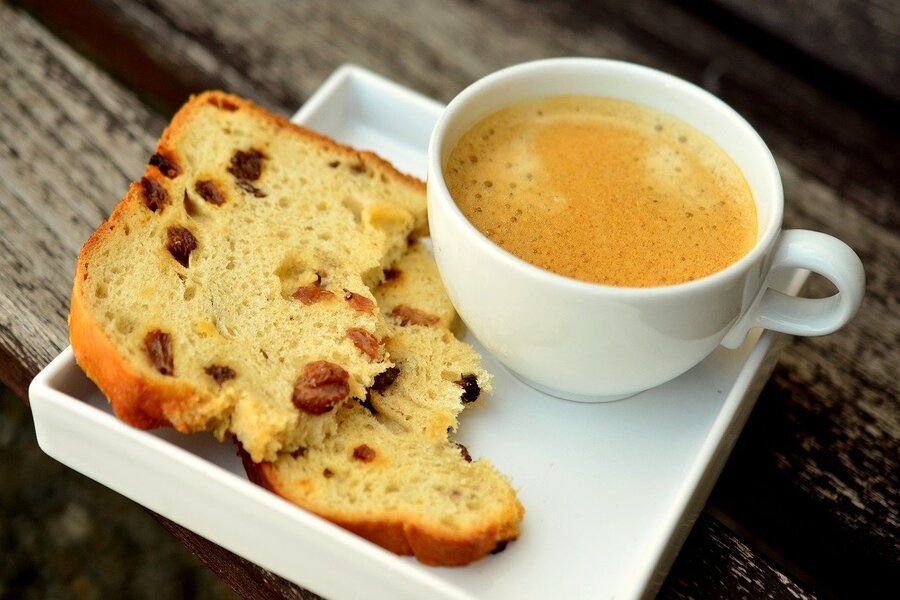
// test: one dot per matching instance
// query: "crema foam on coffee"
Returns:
(603, 190)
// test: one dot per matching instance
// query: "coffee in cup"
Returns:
(603, 190)
(590, 342)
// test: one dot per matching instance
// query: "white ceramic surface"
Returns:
(594, 342)
(611, 490)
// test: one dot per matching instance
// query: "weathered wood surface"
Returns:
(811, 493)
(859, 39)
(70, 142)
(726, 561)
(280, 55)
(249, 580)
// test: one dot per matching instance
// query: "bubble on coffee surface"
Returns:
(603, 190)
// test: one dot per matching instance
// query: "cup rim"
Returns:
(666, 80)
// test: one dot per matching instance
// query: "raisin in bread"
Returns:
(391, 473)
(230, 288)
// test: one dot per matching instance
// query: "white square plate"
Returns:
(610, 490)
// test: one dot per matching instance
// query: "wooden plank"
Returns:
(714, 550)
(838, 389)
(861, 40)
(249, 580)
(278, 56)
(837, 162)
(69, 142)
(65, 536)
(817, 535)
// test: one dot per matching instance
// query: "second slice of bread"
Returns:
(391, 473)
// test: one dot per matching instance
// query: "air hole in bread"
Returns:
(124, 325)
(224, 330)
(100, 290)
(392, 274)
(189, 292)
(354, 206)
(449, 521)
(190, 207)
(390, 422)
(295, 273)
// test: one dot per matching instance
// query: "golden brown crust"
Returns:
(404, 538)
(217, 98)
(136, 399)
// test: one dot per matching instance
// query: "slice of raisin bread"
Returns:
(390, 473)
(230, 288)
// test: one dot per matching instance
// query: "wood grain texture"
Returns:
(280, 55)
(836, 160)
(859, 39)
(249, 580)
(820, 452)
(713, 549)
(69, 142)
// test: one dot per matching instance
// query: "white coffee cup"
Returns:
(591, 342)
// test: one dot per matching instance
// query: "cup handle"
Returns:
(822, 254)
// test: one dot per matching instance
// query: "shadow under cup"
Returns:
(579, 340)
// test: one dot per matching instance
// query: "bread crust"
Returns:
(136, 399)
(146, 400)
(428, 545)
(217, 98)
